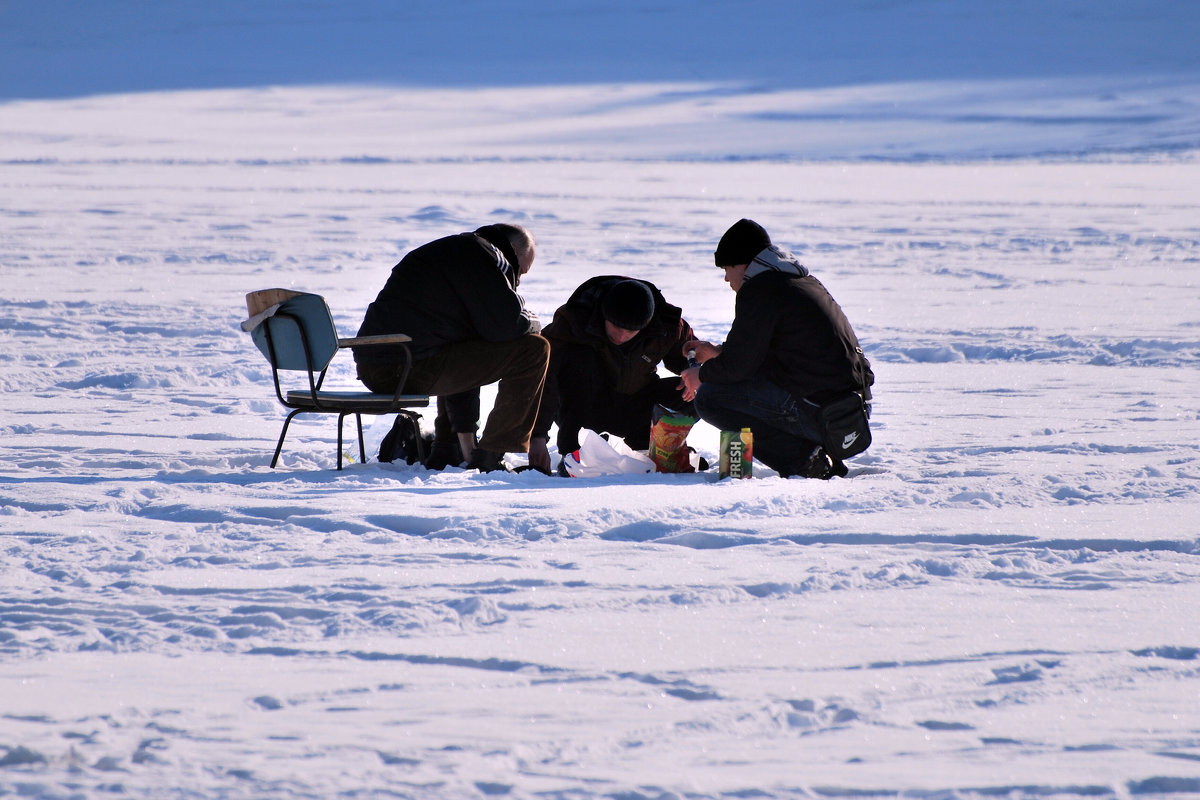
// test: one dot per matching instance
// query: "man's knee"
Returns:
(538, 345)
(532, 350)
(380, 378)
(704, 401)
(719, 407)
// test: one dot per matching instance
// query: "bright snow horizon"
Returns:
(998, 601)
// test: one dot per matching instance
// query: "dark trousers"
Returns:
(587, 400)
(456, 413)
(460, 368)
(785, 431)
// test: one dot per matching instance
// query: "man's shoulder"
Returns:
(768, 286)
(778, 278)
(458, 245)
(572, 323)
(461, 259)
(780, 286)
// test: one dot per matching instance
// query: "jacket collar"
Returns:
(772, 259)
(511, 267)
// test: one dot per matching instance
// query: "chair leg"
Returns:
(416, 423)
(282, 434)
(341, 417)
(362, 447)
(414, 419)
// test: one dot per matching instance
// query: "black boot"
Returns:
(486, 461)
(444, 454)
(818, 465)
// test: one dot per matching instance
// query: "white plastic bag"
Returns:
(597, 456)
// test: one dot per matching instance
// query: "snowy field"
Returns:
(1000, 601)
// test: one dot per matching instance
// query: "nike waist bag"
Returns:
(844, 428)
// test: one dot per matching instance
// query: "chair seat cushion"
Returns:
(363, 402)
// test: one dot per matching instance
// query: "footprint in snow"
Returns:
(1175, 653)
(21, 756)
(1021, 674)
(938, 725)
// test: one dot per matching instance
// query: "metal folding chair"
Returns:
(296, 333)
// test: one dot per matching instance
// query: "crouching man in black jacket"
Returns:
(456, 297)
(789, 350)
(606, 343)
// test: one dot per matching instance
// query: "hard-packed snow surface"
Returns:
(999, 601)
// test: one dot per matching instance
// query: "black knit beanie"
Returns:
(741, 243)
(628, 304)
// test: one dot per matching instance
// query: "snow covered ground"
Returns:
(999, 601)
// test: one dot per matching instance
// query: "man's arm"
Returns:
(676, 359)
(496, 311)
(749, 340)
(548, 409)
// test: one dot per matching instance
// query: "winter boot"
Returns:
(486, 461)
(444, 454)
(818, 465)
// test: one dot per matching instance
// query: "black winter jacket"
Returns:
(630, 368)
(450, 290)
(789, 329)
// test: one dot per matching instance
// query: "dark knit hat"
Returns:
(628, 304)
(741, 243)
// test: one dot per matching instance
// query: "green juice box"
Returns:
(737, 454)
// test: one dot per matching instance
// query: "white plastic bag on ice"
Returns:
(597, 456)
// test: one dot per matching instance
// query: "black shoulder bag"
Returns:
(845, 431)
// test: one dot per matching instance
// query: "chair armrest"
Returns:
(364, 341)
(388, 338)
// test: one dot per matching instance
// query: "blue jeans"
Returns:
(785, 430)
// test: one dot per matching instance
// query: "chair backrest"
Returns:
(300, 335)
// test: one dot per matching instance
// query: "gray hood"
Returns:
(772, 259)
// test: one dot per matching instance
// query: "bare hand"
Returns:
(689, 382)
(704, 350)
(539, 455)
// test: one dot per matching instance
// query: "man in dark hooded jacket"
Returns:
(606, 343)
(790, 349)
(456, 297)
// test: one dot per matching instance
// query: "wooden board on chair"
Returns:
(260, 301)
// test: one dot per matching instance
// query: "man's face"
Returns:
(525, 263)
(618, 335)
(734, 275)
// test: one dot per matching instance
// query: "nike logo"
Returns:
(849, 440)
